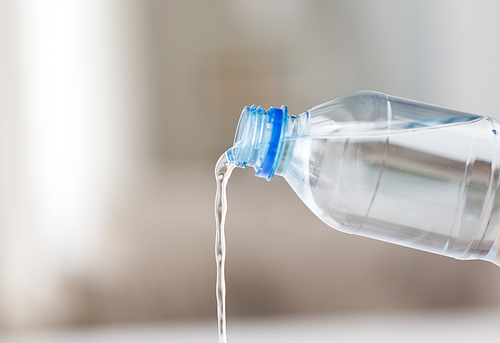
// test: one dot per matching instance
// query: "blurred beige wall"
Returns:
(113, 113)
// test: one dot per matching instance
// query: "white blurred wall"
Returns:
(73, 88)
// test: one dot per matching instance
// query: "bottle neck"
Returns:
(259, 140)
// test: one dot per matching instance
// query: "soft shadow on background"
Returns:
(113, 114)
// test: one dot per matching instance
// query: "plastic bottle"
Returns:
(386, 168)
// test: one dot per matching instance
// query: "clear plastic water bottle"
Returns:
(386, 168)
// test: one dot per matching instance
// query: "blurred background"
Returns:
(113, 114)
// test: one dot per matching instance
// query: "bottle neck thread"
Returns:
(259, 139)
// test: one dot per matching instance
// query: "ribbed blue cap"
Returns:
(258, 139)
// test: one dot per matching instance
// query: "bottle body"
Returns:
(398, 171)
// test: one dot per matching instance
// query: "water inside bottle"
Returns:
(426, 187)
(223, 170)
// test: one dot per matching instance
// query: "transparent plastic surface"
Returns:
(399, 171)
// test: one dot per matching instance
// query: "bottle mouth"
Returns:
(257, 141)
